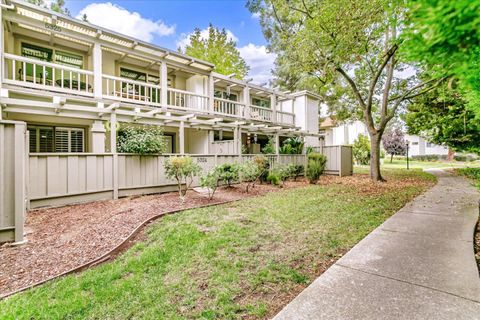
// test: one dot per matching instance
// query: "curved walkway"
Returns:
(419, 264)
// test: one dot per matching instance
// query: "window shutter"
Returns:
(76, 140)
(61, 140)
(32, 137)
(45, 139)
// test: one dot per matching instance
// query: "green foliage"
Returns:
(394, 143)
(315, 166)
(442, 117)
(472, 173)
(263, 165)
(56, 5)
(296, 170)
(228, 173)
(443, 36)
(183, 170)
(361, 150)
(248, 173)
(280, 173)
(210, 181)
(292, 146)
(141, 140)
(218, 49)
(273, 177)
(429, 157)
(465, 157)
(269, 148)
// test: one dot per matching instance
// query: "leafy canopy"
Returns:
(141, 140)
(442, 116)
(218, 48)
(394, 142)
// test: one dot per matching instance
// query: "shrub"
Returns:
(269, 148)
(273, 177)
(248, 173)
(292, 146)
(210, 181)
(361, 150)
(315, 166)
(141, 140)
(183, 170)
(228, 173)
(263, 165)
(279, 173)
(295, 170)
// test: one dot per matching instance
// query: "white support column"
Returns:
(211, 92)
(181, 137)
(97, 70)
(113, 150)
(246, 101)
(163, 84)
(273, 104)
(239, 139)
(277, 143)
(97, 131)
(2, 50)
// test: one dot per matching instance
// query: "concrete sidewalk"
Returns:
(419, 264)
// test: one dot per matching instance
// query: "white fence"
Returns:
(63, 178)
(13, 152)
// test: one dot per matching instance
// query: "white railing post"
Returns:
(97, 71)
(164, 85)
(113, 150)
(181, 137)
(273, 106)
(246, 102)
(211, 93)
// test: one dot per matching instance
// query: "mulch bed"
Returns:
(60, 239)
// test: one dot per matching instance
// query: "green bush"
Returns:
(279, 173)
(141, 140)
(248, 173)
(183, 170)
(315, 166)
(228, 173)
(292, 146)
(269, 148)
(263, 165)
(273, 177)
(296, 170)
(210, 181)
(361, 150)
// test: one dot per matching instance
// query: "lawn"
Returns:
(402, 164)
(242, 260)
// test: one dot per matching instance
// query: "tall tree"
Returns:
(217, 48)
(349, 51)
(57, 5)
(443, 35)
(443, 118)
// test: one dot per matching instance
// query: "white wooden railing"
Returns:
(228, 107)
(259, 113)
(285, 117)
(43, 75)
(130, 90)
(186, 99)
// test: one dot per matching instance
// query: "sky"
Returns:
(168, 23)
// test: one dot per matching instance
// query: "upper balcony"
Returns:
(56, 61)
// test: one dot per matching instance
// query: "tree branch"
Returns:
(390, 53)
(353, 85)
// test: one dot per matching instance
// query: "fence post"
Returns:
(113, 149)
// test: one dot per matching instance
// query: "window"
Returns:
(429, 144)
(224, 95)
(56, 139)
(415, 143)
(259, 102)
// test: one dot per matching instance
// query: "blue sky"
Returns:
(168, 23)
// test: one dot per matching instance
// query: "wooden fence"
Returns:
(63, 178)
(13, 153)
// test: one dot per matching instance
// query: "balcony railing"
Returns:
(130, 90)
(260, 113)
(286, 117)
(228, 107)
(187, 100)
(43, 75)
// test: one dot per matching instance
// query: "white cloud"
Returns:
(256, 15)
(261, 62)
(116, 18)
(185, 38)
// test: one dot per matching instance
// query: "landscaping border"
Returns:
(122, 246)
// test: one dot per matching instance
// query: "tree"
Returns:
(183, 170)
(57, 5)
(443, 36)
(142, 140)
(442, 116)
(349, 51)
(218, 49)
(361, 150)
(394, 143)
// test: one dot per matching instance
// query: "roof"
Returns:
(328, 122)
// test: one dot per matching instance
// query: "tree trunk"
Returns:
(450, 155)
(391, 158)
(375, 173)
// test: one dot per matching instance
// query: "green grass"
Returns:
(471, 173)
(402, 164)
(225, 262)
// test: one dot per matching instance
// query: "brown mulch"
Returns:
(60, 239)
(477, 245)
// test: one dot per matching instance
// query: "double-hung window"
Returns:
(56, 139)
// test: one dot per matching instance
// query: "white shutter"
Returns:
(76, 140)
(45, 139)
(61, 139)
